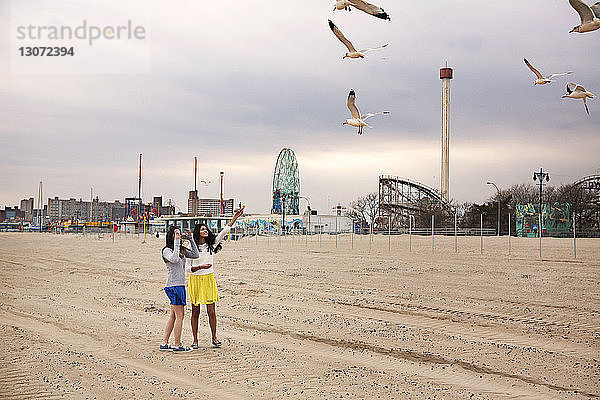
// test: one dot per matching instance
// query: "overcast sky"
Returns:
(235, 82)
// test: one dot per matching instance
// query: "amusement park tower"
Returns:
(445, 76)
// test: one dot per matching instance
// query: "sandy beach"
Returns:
(81, 317)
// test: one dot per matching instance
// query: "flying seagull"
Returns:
(576, 91)
(357, 119)
(362, 5)
(352, 52)
(542, 80)
(590, 16)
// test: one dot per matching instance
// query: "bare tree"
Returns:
(365, 209)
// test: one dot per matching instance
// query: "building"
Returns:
(326, 223)
(192, 208)
(27, 207)
(12, 213)
(79, 210)
(213, 207)
(210, 207)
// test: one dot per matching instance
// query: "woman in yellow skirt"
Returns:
(202, 287)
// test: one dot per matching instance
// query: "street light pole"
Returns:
(498, 190)
(541, 176)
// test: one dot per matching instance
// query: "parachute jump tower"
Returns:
(286, 183)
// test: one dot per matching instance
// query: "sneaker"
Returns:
(216, 343)
(195, 346)
(181, 349)
(165, 347)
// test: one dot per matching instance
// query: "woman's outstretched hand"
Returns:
(237, 214)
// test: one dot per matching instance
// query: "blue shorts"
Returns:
(176, 294)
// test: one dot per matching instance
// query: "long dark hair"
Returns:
(170, 240)
(210, 240)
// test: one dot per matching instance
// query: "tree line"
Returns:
(582, 203)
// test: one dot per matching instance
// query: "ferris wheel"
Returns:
(286, 183)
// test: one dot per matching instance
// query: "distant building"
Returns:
(213, 207)
(27, 206)
(12, 213)
(79, 210)
(193, 202)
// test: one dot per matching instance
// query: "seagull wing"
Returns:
(535, 71)
(352, 106)
(372, 48)
(585, 12)
(370, 9)
(369, 115)
(571, 87)
(561, 74)
(341, 36)
(596, 9)
(580, 88)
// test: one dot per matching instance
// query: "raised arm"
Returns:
(172, 255)
(194, 252)
(237, 214)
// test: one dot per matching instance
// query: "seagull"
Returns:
(542, 80)
(357, 119)
(352, 52)
(590, 16)
(362, 5)
(576, 91)
(341, 5)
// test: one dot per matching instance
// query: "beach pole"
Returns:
(432, 235)
(352, 237)
(456, 233)
(389, 234)
(410, 217)
(574, 237)
(481, 235)
(540, 231)
(320, 233)
(336, 231)
(509, 233)
(370, 236)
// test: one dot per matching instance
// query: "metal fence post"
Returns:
(410, 219)
(432, 235)
(352, 237)
(389, 234)
(540, 231)
(509, 233)
(481, 242)
(574, 239)
(455, 233)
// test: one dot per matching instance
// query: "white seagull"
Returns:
(362, 5)
(357, 119)
(542, 80)
(575, 91)
(352, 52)
(590, 16)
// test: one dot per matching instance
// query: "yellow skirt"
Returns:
(203, 289)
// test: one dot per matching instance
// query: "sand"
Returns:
(82, 317)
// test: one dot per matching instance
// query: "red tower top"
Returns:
(446, 73)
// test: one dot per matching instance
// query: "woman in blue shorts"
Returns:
(174, 257)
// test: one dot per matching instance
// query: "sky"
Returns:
(235, 82)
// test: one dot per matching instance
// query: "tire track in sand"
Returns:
(407, 355)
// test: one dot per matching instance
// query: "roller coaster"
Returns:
(591, 184)
(399, 197)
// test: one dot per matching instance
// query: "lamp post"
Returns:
(540, 176)
(498, 190)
